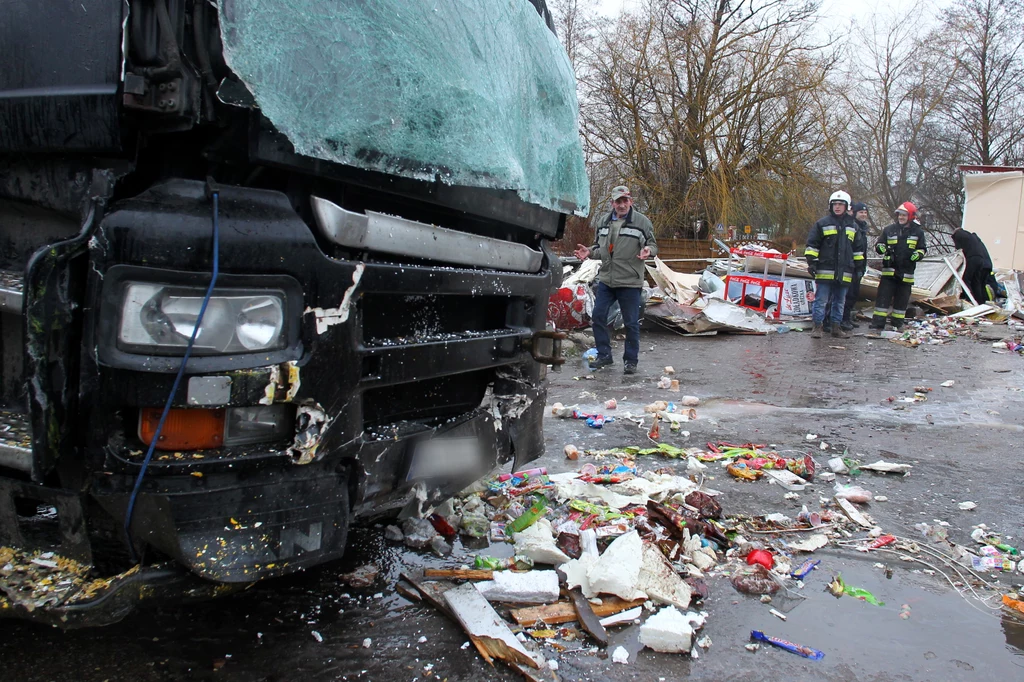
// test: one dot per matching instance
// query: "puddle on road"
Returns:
(944, 637)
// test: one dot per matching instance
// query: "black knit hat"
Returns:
(858, 206)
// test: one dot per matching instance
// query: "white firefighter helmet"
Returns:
(839, 196)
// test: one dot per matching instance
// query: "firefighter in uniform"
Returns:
(901, 246)
(831, 244)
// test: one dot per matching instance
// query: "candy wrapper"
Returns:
(805, 651)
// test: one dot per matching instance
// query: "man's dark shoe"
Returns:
(839, 333)
(848, 326)
(816, 332)
(629, 368)
(601, 362)
(855, 325)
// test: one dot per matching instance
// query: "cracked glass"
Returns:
(473, 93)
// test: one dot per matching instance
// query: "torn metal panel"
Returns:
(310, 424)
(326, 318)
(285, 378)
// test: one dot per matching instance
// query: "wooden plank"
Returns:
(565, 612)
(408, 591)
(458, 574)
(479, 619)
(852, 512)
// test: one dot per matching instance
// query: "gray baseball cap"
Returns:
(620, 191)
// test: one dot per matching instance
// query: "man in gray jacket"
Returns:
(624, 240)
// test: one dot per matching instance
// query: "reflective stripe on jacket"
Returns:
(901, 242)
(830, 247)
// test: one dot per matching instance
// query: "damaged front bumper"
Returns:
(406, 382)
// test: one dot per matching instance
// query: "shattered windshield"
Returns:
(477, 93)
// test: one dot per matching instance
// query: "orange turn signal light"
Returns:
(184, 429)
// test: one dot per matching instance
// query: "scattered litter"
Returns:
(620, 655)
(810, 544)
(317, 636)
(623, 617)
(838, 588)
(367, 643)
(852, 493)
(887, 467)
(805, 651)
(571, 452)
(777, 614)
(967, 506)
(364, 576)
(947, 384)
(804, 569)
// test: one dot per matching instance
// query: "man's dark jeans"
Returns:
(629, 303)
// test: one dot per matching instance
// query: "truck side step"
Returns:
(15, 441)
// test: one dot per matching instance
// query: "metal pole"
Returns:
(956, 274)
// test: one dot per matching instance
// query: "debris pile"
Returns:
(563, 558)
(601, 547)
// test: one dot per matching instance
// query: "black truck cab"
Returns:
(258, 283)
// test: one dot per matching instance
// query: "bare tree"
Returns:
(895, 85)
(985, 107)
(707, 106)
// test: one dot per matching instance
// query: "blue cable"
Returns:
(177, 382)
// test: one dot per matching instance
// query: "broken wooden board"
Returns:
(408, 591)
(458, 574)
(433, 592)
(481, 622)
(587, 618)
(852, 512)
(565, 612)
(943, 305)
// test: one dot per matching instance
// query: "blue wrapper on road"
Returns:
(805, 651)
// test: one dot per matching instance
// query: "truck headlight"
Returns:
(159, 319)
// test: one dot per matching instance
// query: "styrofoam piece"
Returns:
(667, 631)
(575, 571)
(617, 571)
(531, 587)
(660, 581)
(627, 616)
(538, 543)
(620, 655)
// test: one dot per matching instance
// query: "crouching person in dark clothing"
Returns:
(978, 276)
(901, 246)
(829, 253)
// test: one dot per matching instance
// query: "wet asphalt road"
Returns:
(965, 443)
